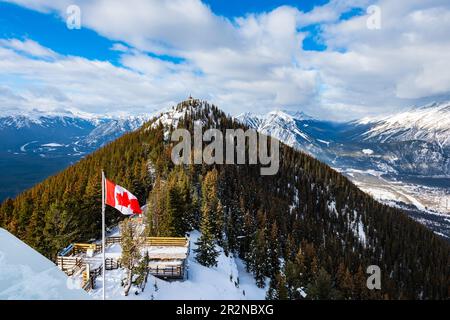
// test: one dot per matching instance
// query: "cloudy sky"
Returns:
(332, 59)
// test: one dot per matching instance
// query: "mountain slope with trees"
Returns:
(307, 228)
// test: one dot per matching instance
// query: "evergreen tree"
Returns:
(59, 230)
(130, 251)
(274, 251)
(142, 271)
(212, 205)
(322, 287)
(206, 252)
(260, 265)
(278, 288)
(345, 281)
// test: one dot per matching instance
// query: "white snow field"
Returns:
(25, 274)
(203, 283)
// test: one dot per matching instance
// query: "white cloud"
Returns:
(29, 47)
(119, 47)
(400, 64)
(252, 62)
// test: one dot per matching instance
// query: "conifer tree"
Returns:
(206, 252)
(259, 256)
(59, 229)
(344, 281)
(142, 271)
(278, 288)
(322, 287)
(274, 251)
(211, 203)
(130, 251)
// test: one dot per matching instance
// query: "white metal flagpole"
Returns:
(103, 232)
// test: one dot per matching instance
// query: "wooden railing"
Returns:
(89, 280)
(77, 248)
(70, 265)
(112, 240)
(166, 241)
(167, 271)
(112, 264)
(84, 247)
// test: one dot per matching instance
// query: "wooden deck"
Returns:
(167, 255)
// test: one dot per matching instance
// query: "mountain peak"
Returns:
(189, 102)
(297, 115)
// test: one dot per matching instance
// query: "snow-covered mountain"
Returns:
(404, 157)
(430, 123)
(415, 142)
(36, 144)
(289, 127)
(63, 128)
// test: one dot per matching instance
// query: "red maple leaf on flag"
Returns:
(120, 198)
(123, 200)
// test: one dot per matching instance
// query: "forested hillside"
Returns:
(306, 227)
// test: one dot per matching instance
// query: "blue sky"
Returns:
(50, 31)
(236, 8)
(259, 55)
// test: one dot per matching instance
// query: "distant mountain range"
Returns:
(29, 140)
(415, 142)
(64, 133)
(402, 159)
(411, 146)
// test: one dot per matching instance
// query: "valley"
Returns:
(428, 205)
(402, 160)
(38, 145)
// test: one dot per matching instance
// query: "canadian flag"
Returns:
(121, 199)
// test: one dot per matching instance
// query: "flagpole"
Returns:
(103, 232)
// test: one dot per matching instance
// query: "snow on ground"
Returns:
(52, 145)
(367, 151)
(22, 148)
(324, 142)
(202, 283)
(25, 274)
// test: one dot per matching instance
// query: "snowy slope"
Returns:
(202, 283)
(429, 123)
(27, 275)
(113, 128)
(285, 126)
